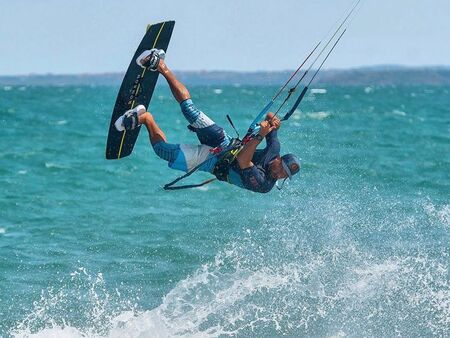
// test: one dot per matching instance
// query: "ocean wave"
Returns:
(305, 275)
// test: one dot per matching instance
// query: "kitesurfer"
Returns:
(252, 169)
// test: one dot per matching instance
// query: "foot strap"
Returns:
(149, 59)
(130, 120)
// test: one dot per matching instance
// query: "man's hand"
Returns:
(273, 120)
(245, 156)
(265, 128)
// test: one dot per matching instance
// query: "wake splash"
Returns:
(341, 291)
(334, 272)
(85, 297)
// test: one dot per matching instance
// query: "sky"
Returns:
(99, 36)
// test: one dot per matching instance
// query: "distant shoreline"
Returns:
(379, 75)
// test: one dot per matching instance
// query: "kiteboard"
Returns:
(137, 88)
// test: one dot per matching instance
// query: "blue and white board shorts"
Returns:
(185, 157)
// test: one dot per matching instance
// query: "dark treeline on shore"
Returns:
(380, 75)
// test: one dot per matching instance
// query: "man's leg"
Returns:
(178, 89)
(154, 132)
(158, 140)
(208, 132)
(181, 157)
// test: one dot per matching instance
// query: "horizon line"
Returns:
(368, 67)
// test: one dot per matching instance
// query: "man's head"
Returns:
(291, 164)
(284, 167)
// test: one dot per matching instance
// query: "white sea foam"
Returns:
(2, 231)
(318, 91)
(218, 91)
(320, 115)
(54, 332)
(61, 122)
(398, 112)
(339, 334)
(247, 91)
(368, 90)
(297, 115)
(50, 310)
(7, 88)
(203, 188)
(53, 165)
(441, 214)
(370, 277)
(187, 309)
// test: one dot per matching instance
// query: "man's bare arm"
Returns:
(245, 156)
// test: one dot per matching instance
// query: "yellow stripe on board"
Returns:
(157, 37)
(139, 85)
(121, 144)
(143, 72)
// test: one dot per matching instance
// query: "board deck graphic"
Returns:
(137, 88)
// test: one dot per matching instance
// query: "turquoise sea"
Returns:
(357, 245)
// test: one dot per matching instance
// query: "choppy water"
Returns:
(359, 245)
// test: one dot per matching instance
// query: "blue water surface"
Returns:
(357, 245)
